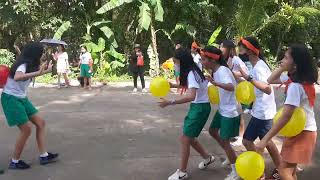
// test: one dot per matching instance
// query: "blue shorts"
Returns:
(257, 128)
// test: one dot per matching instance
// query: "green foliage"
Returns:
(144, 17)
(6, 57)
(215, 34)
(64, 27)
(112, 5)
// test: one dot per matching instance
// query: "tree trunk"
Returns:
(154, 62)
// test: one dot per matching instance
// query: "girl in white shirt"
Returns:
(226, 122)
(300, 92)
(18, 109)
(199, 111)
(264, 106)
(63, 67)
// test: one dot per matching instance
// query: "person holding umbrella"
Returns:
(61, 56)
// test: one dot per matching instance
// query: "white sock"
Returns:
(44, 154)
(233, 167)
(15, 160)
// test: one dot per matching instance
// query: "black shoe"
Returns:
(20, 165)
(49, 159)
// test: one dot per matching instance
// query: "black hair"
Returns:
(217, 51)
(231, 48)
(306, 67)
(30, 55)
(63, 47)
(186, 65)
(254, 41)
(85, 47)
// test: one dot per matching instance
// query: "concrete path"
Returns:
(111, 134)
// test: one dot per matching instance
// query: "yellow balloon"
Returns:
(213, 94)
(295, 125)
(250, 165)
(245, 93)
(159, 87)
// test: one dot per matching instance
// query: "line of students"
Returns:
(302, 73)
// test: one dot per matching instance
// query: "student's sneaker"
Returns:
(178, 175)
(49, 159)
(232, 176)
(206, 162)
(237, 143)
(144, 90)
(226, 163)
(20, 165)
(135, 90)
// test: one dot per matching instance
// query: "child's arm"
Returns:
(274, 78)
(190, 96)
(283, 120)
(21, 76)
(225, 86)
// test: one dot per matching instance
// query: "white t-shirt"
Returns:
(264, 107)
(197, 60)
(62, 62)
(17, 88)
(194, 81)
(237, 63)
(296, 96)
(228, 104)
(85, 58)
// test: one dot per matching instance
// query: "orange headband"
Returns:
(250, 46)
(210, 55)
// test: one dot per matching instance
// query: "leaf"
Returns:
(101, 44)
(112, 5)
(158, 11)
(116, 55)
(101, 22)
(114, 43)
(189, 29)
(144, 17)
(116, 64)
(107, 31)
(64, 27)
(214, 36)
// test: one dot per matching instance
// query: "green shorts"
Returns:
(17, 110)
(84, 70)
(196, 119)
(229, 127)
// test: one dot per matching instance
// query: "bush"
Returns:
(6, 57)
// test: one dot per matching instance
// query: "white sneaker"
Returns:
(232, 176)
(206, 162)
(144, 90)
(226, 162)
(178, 175)
(135, 90)
(238, 142)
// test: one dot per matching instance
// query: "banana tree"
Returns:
(149, 12)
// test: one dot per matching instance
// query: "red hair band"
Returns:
(210, 55)
(250, 46)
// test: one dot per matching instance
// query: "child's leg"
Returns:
(249, 145)
(85, 81)
(241, 129)
(66, 79)
(59, 82)
(89, 81)
(185, 152)
(199, 148)
(25, 132)
(287, 171)
(225, 144)
(274, 153)
(40, 132)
